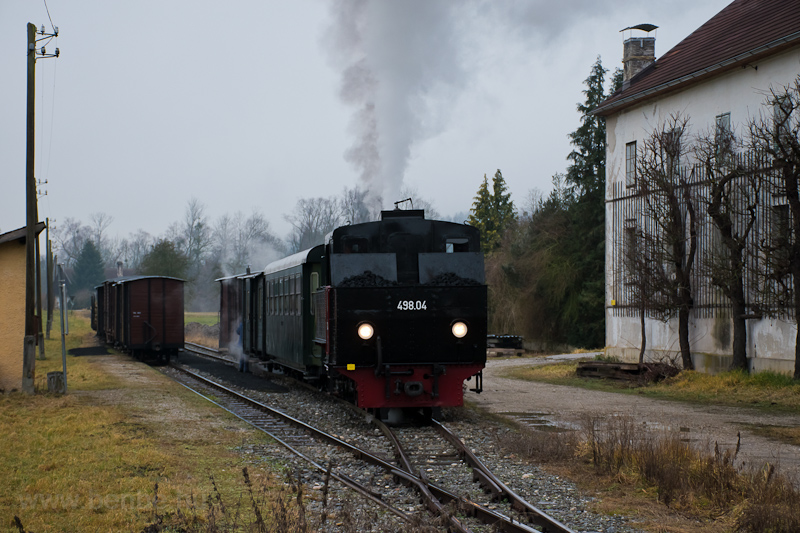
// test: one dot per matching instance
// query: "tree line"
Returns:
(200, 250)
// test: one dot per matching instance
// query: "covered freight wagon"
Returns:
(142, 315)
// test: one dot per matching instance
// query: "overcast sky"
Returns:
(249, 104)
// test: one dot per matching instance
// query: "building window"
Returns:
(630, 164)
(723, 138)
(630, 252)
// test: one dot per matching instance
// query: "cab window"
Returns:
(457, 245)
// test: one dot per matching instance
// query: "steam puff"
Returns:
(401, 72)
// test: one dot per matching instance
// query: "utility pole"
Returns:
(32, 216)
(50, 284)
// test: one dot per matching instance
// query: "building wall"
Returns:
(742, 93)
(12, 314)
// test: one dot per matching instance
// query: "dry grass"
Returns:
(203, 340)
(639, 470)
(89, 460)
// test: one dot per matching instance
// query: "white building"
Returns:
(718, 76)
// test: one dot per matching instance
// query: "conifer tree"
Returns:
(587, 172)
(492, 213)
(88, 268)
(479, 215)
(585, 300)
(501, 203)
(165, 259)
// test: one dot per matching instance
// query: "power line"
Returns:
(48, 16)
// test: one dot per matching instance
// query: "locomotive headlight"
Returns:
(365, 331)
(459, 329)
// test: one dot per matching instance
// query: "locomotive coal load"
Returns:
(391, 313)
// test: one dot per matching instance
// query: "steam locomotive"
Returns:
(390, 314)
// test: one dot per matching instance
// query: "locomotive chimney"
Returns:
(638, 52)
(119, 269)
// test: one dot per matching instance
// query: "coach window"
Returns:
(287, 295)
(259, 307)
(278, 292)
(314, 288)
(297, 292)
(272, 297)
(456, 246)
(292, 309)
(283, 297)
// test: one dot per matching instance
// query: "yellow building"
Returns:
(12, 307)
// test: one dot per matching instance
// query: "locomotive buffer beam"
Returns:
(387, 372)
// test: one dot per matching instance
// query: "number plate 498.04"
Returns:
(411, 305)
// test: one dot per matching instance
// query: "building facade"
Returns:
(720, 80)
(12, 307)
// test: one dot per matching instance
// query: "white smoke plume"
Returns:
(401, 70)
(404, 64)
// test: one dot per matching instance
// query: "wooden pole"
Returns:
(39, 315)
(50, 284)
(29, 350)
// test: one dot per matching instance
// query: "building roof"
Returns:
(20, 234)
(742, 33)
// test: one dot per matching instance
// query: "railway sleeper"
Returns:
(488, 485)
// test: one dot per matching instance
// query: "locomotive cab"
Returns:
(407, 310)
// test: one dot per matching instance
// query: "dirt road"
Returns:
(567, 406)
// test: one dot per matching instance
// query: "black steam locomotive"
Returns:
(391, 314)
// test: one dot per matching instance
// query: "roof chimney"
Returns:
(637, 52)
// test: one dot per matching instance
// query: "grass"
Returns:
(91, 459)
(736, 388)
(207, 319)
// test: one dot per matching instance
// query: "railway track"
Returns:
(420, 455)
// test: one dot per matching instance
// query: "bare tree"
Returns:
(669, 235)
(312, 219)
(196, 233)
(221, 237)
(732, 203)
(353, 206)
(133, 249)
(647, 276)
(70, 236)
(249, 239)
(777, 136)
(99, 224)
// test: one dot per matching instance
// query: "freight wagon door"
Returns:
(172, 295)
(137, 296)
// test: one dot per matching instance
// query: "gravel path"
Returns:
(566, 406)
